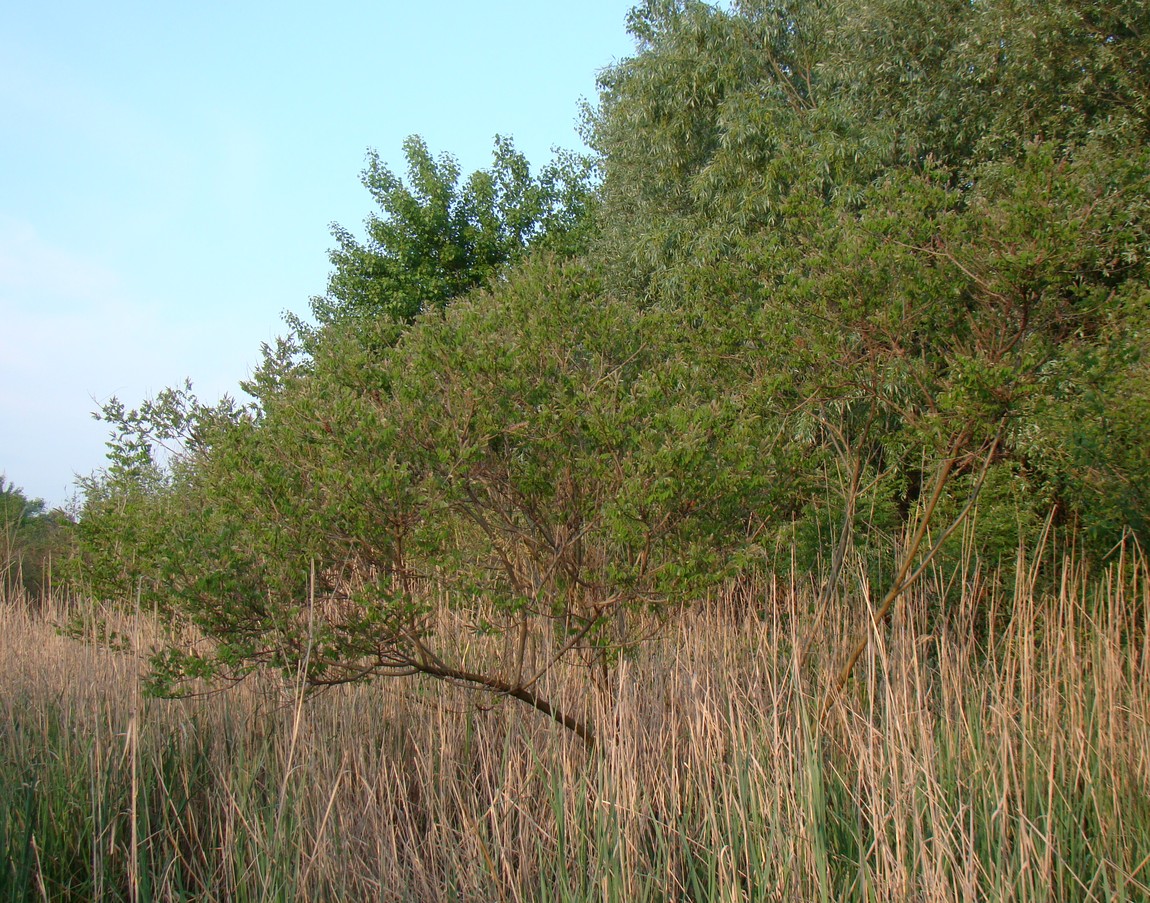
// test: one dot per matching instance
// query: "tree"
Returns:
(852, 271)
(932, 215)
(436, 239)
(531, 463)
(32, 540)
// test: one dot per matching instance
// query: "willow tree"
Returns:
(498, 493)
(851, 266)
(924, 224)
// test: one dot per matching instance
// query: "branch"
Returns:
(905, 577)
(580, 728)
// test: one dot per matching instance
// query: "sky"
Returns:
(169, 173)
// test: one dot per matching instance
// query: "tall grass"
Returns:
(988, 752)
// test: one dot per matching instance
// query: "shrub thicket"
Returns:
(855, 276)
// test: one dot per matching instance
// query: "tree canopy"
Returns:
(33, 539)
(436, 239)
(851, 276)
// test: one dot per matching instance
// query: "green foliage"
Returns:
(592, 462)
(436, 239)
(134, 519)
(34, 541)
(541, 458)
(854, 274)
(934, 216)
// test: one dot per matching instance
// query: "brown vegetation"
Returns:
(1004, 755)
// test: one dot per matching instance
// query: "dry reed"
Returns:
(998, 750)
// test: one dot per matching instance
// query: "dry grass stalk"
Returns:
(1003, 755)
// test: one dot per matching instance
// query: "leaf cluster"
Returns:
(855, 275)
(34, 541)
(436, 238)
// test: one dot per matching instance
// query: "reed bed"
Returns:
(984, 749)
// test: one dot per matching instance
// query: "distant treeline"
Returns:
(34, 542)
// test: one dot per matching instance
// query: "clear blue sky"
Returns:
(169, 171)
